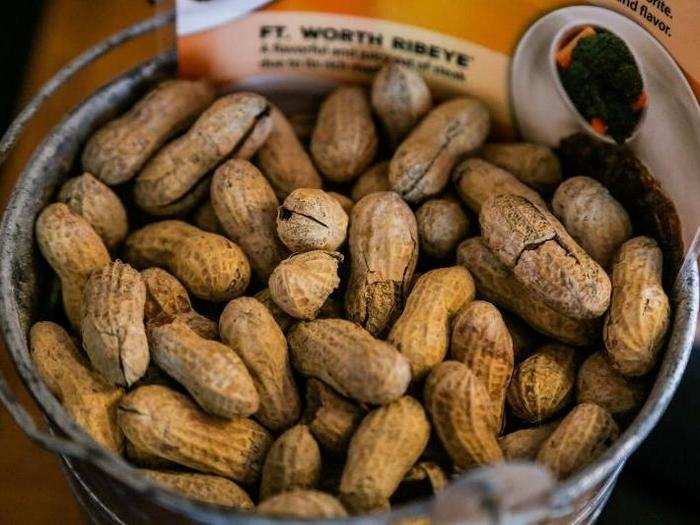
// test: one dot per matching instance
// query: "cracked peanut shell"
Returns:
(301, 284)
(497, 284)
(383, 242)
(112, 328)
(311, 219)
(422, 332)
(534, 245)
(168, 424)
(351, 361)
(249, 329)
(386, 445)
(421, 166)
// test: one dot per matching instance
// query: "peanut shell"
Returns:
(168, 424)
(86, 396)
(543, 384)
(293, 462)
(533, 164)
(301, 284)
(344, 141)
(249, 329)
(441, 226)
(462, 415)
(383, 241)
(349, 359)
(203, 487)
(373, 180)
(525, 444)
(422, 332)
(388, 442)
(112, 328)
(302, 504)
(598, 382)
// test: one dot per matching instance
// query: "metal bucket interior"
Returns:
(110, 487)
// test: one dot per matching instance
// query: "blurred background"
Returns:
(38, 37)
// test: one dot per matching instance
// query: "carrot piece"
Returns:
(563, 56)
(599, 125)
(641, 102)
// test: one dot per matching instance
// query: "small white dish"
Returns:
(564, 33)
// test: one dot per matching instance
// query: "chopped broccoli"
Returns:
(603, 81)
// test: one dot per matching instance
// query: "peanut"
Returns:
(598, 382)
(640, 312)
(481, 340)
(373, 180)
(86, 396)
(99, 205)
(222, 129)
(331, 418)
(422, 331)
(210, 266)
(113, 333)
(462, 415)
(166, 295)
(400, 97)
(330, 309)
(247, 206)
(383, 241)
(203, 487)
(344, 141)
(311, 219)
(592, 216)
(284, 160)
(350, 360)
(497, 284)
(212, 373)
(543, 257)
(168, 424)
(421, 166)
(534, 164)
(73, 249)
(525, 444)
(580, 438)
(441, 226)
(117, 151)
(293, 462)
(250, 330)
(525, 340)
(144, 459)
(543, 384)
(302, 504)
(301, 284)
(477, 180)
(384, 448)
(205, 219)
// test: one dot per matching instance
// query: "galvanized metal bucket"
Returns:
(111, 491)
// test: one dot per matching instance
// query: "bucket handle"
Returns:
(88, 450)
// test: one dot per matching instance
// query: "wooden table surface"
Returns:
(32, 487)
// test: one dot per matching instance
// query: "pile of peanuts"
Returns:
(454, 305)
